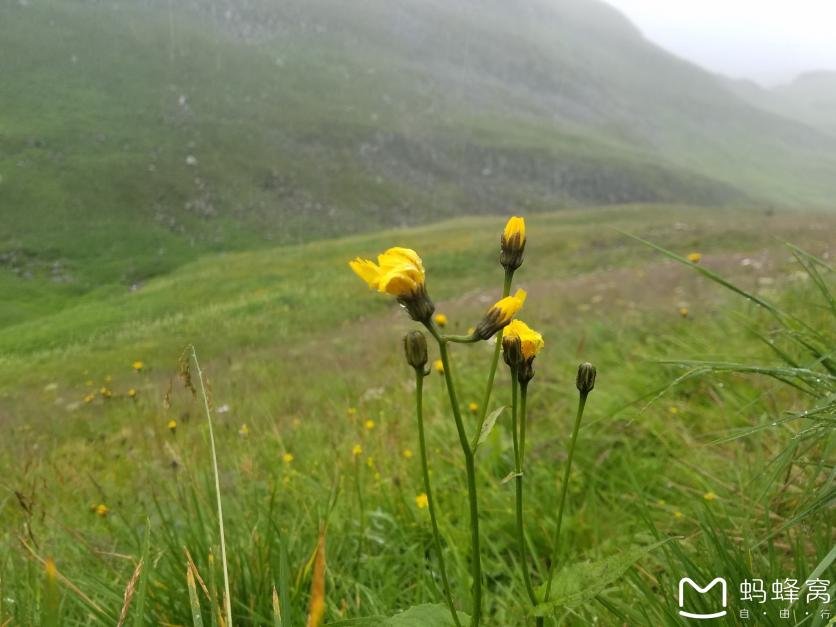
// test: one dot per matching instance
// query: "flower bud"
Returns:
(415, 347)
(586, 378)
(512, 244)
(512, 350)
(499, 315)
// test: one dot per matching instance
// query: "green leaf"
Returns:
(488, 425)
(581, 582)
(427, 615)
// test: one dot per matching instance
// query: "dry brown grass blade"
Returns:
(129, 593)
(193, 568)
(316, 607)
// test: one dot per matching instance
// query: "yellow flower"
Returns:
(244, 430)
(357, 450)
(101, 510)
(531, 342)
(694, 257)
(398, 271)
(500, 314)
(172, 425)
(421, 501)
(132, 393)
(677, 514)
(105, 392)
(351, 411)
(441, 320)
(673, 410)
(438, 365)
(369, 424)
(407, 453)
(89, 398)
(473, 407)
(709, 496)
(287, 458)
(138, 365)
(370, 461)
(683, 311)
(512, 243)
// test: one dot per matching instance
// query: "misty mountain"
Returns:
(135, 135)
(810, 98)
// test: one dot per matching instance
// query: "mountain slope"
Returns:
(135, 136)
(810, 98)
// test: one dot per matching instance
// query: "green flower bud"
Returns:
(586, 378)
(415, 347)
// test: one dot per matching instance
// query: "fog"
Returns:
(768, 42)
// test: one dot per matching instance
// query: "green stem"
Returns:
(419, 412)
(518, 481)
(470, 469)
(561, 507)
(461, 339)
(506, 290)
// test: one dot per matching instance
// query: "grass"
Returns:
(293, 347)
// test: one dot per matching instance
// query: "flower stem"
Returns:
(470, 468)
(518, 479)
(561, 507)
(506, 290)
(419, 412)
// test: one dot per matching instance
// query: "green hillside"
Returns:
(135, 136)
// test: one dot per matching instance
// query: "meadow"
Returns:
(706, 447)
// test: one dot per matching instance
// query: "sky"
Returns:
(768, 41)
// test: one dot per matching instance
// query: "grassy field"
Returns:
(313, 415)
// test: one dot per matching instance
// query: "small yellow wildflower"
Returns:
(101, 510)
(407, 453)
(369, 424)
(683, 311)
(694, 257)
(500, 314)
(351, 411)
(89, 398)
(172, 425)
(357, 450)
(673, 410)
(244, 430)
(370, 461)
(421, 501)
(441, 320)
(132, 393)
(138, 365)
(531, 342)
(398, 272)
(512, 244)
(105, 392)
(438, 365)
(287, 458)
(473, 407)
(677, 514)
(709, 496)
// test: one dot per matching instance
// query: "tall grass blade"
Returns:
(227, 600)
(144, 568)
(194, 599)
